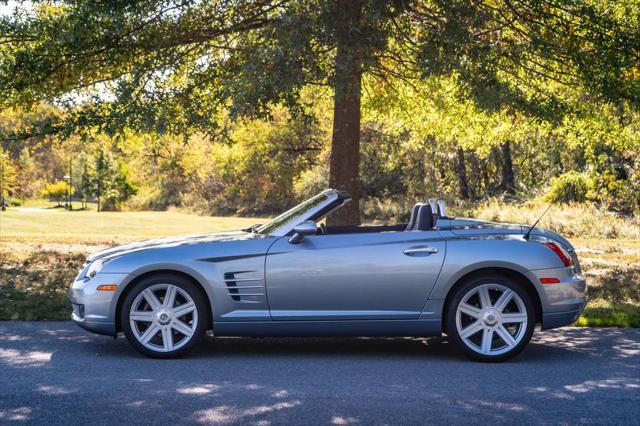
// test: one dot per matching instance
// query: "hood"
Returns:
(173, 242)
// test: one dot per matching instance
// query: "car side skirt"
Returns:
(370, 328)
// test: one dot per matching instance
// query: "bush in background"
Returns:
(569, 187)
(56, 191)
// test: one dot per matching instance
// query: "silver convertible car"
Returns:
(486, 285)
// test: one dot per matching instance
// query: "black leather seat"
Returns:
(424, 221)
(414, 216)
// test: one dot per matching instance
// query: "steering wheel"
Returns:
(323, 229)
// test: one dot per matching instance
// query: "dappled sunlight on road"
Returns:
(587, 341)
(19, 414)
(339, 420)
(231, 414)
(24, 358)
(53, 372)
(618, 383)
(198, 390)
(54, 390)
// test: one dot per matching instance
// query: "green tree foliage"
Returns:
(84, 188)
(57, 191)
(107, 181)
(9, 181)
(250, 173)
(179, 67)
(568, 187)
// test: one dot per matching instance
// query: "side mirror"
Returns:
(308, 227)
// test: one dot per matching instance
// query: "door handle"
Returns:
(420, 250)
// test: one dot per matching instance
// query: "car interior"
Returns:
(424, 217)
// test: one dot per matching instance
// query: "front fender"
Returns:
(212, 266)
(167, 267)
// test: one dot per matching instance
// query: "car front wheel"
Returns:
(490, 318)
(164, 316)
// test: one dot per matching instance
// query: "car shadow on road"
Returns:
(545, 346)
(362, 347)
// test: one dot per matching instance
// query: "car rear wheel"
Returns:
(164, 316)
(490, 318)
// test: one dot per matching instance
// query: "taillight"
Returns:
(561, 252)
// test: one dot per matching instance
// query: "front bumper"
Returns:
(562, 302)
(95, 310)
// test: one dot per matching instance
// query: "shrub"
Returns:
(569, 187)
(392, 210)
(311, 182)
(55, 191)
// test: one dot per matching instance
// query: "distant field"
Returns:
(41, 249)
(25, 226)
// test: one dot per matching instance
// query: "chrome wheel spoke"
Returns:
(149, 333)
(144, 316)
(182, 328)
(516, 317)
(470, 310)
(483, 294)
(184, 309)
(504, 300)
(471, 330)
(487, 338)
(167, 339)
(506, 336)
(151, 299)
(170, 296)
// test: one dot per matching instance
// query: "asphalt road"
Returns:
(55, 373)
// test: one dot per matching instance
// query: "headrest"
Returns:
(414, 215)
(425, 218)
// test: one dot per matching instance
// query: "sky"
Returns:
(8, 6)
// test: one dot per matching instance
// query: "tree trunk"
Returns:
(475, 184)
(508, 177)
(345, 142)
(485, 178)
(461, 171)
(99, 194)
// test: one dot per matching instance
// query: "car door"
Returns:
(373, 276)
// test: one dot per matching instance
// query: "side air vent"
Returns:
(244, 287)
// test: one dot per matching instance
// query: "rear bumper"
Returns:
(562, 302)
(560, 319)
(95, 310)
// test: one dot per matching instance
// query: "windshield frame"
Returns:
(311, 209)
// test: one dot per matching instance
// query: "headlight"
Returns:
(94, 268)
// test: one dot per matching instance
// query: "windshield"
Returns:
(291, 214)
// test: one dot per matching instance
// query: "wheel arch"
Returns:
(169, 271)
(494, 270)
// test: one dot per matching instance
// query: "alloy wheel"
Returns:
(163, 318)
(491, 319)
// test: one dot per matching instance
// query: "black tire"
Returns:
(469, 285)
(191, 289)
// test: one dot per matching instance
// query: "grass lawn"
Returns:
(22, 228)
(42, 248)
